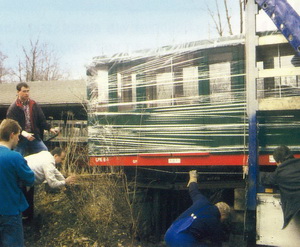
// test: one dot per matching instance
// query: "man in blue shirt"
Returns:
(14, 172)
(200, 224)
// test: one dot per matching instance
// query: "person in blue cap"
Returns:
(200, 224)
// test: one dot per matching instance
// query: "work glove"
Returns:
(193, 177)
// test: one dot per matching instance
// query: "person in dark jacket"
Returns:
(286, 177)
(32, 121)
(200, 224)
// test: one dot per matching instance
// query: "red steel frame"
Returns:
(179, 159)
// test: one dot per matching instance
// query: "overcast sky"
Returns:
(78, 30)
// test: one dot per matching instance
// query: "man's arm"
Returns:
(55, 179)
(58, 175)
(11, 113)
(194, 191)
(51, 176)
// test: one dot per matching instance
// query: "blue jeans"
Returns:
(26, 147)
(11, 231)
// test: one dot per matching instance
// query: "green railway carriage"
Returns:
(212, 105)
(186, 105)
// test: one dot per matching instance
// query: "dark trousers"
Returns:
(29, 195)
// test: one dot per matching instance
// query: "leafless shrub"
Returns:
(38, 64)
(97, 211)
(4, 71)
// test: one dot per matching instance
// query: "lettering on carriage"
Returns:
(101, 159)
(174, 161)
(134, 161)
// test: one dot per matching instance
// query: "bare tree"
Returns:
(217, 17)
(217, 21)
(228, 17)
(4, 71)
(19, 71)
(39, 64)
(242, 3)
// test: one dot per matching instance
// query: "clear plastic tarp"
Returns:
(178, 99)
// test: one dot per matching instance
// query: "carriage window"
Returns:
(190, 81)
(220, 82)
(164, 89)
(125, 91)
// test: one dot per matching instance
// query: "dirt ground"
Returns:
(96, 212)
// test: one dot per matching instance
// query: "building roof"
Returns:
(48, 92)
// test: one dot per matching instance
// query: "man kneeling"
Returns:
(200, 224)
(43, 164)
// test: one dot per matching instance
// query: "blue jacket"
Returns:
(207, 226)
(14, 172)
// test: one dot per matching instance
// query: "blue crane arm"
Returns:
(286, 19)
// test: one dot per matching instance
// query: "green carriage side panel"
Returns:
(279, 128)
(238, 68)
(188, 123)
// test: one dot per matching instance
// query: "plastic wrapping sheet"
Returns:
(181, 99)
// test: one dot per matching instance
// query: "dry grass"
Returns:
(97, 211)
(94, 212)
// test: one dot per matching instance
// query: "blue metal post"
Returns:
(288, 23)
(252, 163)
(252, 107)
